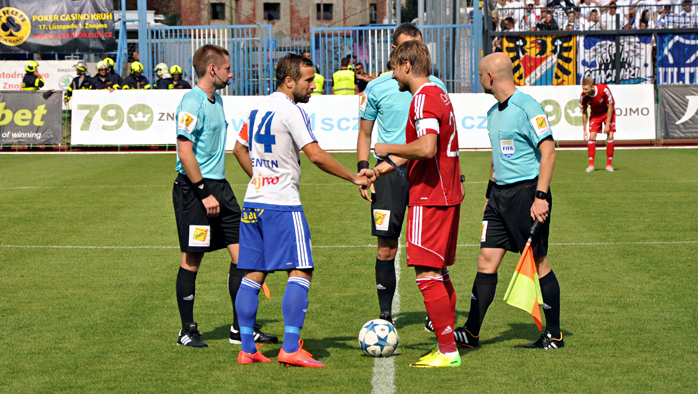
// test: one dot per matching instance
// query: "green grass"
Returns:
(105, 320)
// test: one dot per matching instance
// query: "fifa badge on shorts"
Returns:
(381, 217)
(483, 237)
(540, 124)
(200, 236)
(508, 149)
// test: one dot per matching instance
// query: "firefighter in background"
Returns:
(103, 80)
(165, 80)
(32, 79)
(136, 80)
(82, 81)
(177, 80)
(116, 80)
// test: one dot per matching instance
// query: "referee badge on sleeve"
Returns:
(186, 121)
(540, 124)
(381, 217)
(363, 101)
(200, 236)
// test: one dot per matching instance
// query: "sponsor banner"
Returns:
(57, 74)
(148, 117)
(597, 59)
(679, 109)
(677, 58)
(30, 118)
(62, 26)
(542, 60)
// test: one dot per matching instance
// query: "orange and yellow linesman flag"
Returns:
(524, 288)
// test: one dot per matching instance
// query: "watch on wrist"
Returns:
(542, 195)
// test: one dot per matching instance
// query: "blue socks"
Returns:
(294, 307)
(246, 305)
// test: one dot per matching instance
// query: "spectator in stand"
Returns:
(573, 21)
(177, 80)
(362, 79)
(547, 22)
(165, 80)
(115, 78)
(503, 10)
(530, 17)
(82, 81)
(646, 5)
(593, 23)
(510, 25)
(136, 80)
(518, 9)
(668, 19)
(32, 79)
(585, 7)
(631, 19)
(102, 80)
(647, 16)
(560, 9)
(686, 18)
(612, 20)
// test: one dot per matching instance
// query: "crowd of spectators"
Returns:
(590, 15)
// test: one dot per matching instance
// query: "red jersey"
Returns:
(599, 103)
(435, 181)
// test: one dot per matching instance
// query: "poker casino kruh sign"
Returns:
(63, 26)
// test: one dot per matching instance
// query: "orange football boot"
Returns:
(246, 358)
(299, 358)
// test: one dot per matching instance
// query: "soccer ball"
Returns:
(378, 338)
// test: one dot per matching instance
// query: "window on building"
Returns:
(373, 13)
(324, 12)
(272, 11)
(217, 11)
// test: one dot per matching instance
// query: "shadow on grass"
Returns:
(518, 331)
(223, 332)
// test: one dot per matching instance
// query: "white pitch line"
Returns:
(353, 246)
(383, 381)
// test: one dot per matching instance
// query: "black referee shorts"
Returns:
(198, 232)
(389, 204)
(507, 221)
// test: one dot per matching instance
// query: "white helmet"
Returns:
(161, 69)
(80, 66)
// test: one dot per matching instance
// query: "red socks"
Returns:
(442, 315)
(591, 148)
(451, 294)
(610, 144)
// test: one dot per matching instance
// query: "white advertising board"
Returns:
(148, 117)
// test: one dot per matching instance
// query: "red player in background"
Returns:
(603, 119)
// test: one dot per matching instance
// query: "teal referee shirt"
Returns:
(383, 102)
(203, 123)
(516, 127)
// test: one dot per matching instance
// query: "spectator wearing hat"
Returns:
(136, 80)
(32, 79)
(530, 18)
(177, 80)
(81, 82)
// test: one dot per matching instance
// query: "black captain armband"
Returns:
(363, 164)
(490, 185)
(201, 189)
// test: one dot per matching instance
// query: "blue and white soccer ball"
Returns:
(378, 338)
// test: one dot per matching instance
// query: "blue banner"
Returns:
(677, 58)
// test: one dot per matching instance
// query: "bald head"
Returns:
(497, 76)
(498, 64)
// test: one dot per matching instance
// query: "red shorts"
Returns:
(432, 235)
(596, 124)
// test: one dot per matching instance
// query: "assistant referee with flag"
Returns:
(523, 159)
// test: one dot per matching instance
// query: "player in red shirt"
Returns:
(603, 113)
(435, 193)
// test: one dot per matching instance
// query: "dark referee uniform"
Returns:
(203, 123)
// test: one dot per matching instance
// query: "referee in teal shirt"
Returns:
(383, 102)
(523, 159)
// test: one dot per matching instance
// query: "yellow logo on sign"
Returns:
(15, 26)
(200, 234)
(541, 122)
(379, 217)
(186, 120)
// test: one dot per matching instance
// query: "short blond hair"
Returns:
(415, 52)
(207, 55)
(588, 81)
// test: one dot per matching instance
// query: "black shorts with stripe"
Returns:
(507, 221)
(389, 204)
(198, 232)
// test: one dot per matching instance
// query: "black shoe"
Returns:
(190, 336)
(259, 336)
(465, 339)
(546, 341)
(428, 327)
(386, 316)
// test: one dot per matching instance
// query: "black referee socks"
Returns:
(550, 290)
(186, 287)
(484, 290)
(385, 284)
(234, 279)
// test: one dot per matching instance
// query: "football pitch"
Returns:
(90, 256)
